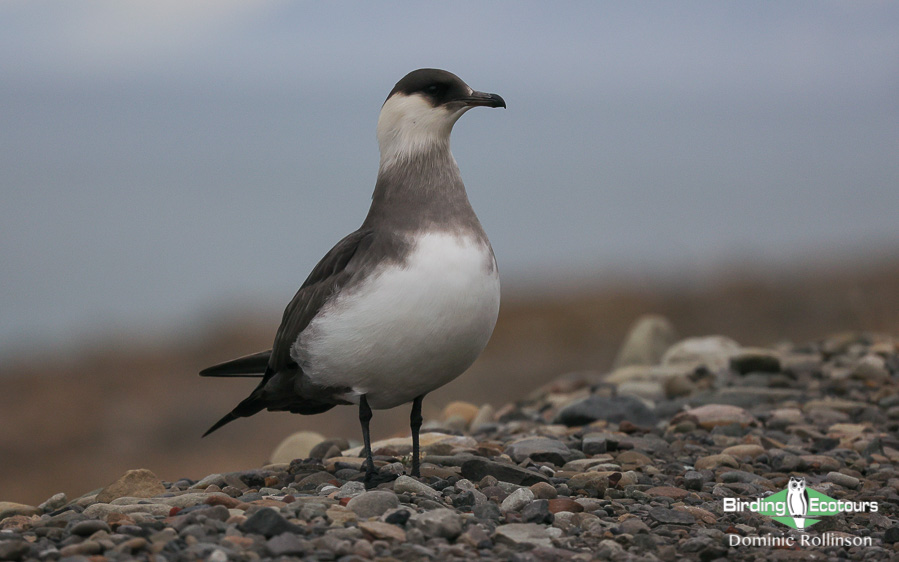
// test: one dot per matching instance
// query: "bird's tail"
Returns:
(229, 417)
(250, 405)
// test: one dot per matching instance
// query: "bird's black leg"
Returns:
(364, 418)
(415, 423)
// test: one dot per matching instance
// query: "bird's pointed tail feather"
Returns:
(250, 405)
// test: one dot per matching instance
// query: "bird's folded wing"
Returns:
(332, 272)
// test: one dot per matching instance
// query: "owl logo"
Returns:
(797, 501)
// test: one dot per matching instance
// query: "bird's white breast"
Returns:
(407, 329)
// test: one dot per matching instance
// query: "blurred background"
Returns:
(170, 171)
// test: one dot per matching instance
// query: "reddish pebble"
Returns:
(668, 492)
(264, 502)
(544, 491)
(627, 427)
(229, 502)
(174, 511)
(564, 504)
(344, 501)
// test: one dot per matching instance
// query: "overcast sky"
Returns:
(162, 158)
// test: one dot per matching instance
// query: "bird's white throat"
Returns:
(410, 125)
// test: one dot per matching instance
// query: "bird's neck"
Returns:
(424, 190)
(409, 126)
(401, 144)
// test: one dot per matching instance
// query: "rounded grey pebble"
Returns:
(843, 480)
(693, 480)
(89, 527)
(488, 510)
(443, 523)
(372, 504)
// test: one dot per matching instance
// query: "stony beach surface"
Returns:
(633, 464)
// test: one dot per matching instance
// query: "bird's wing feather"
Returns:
(252, 365)
(328, 276)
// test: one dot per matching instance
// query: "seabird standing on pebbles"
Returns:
(406, 303)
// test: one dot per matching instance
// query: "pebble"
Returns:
(710, 352)
(592, 483)
(267, 522)
(408, 485)
(693, 480)
(464, 411)
(89, 527)
(596, 444)
(755, 360)
(629, 460)
(103, 510)
(843, 480)
(714, 415)
(14, 549)
(287, 544)
(140, 483)
(488, 511)
(85, 548)
(530, 485)
(9, 509)
(744, 451)
(373, 503)
(559, 505)
(476, 537)
(633, 526)
(647, 341)
(543, 491)
(298, 445)
(442, 523)
(383, 531)
(783, 461)
(340, 516)
(537, 512)
(671, 516)
(55, 502)
(483, 419)
(476, 469)
(517, 500)
(595, 407)
(350, 490)
(517, 534)
(540, 449)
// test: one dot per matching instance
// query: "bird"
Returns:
(403, 305)
(797, 501)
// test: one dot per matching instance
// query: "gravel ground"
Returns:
(629, 465)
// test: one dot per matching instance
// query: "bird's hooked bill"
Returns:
(484, 99)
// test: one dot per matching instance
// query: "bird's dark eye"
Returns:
(435, 89)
